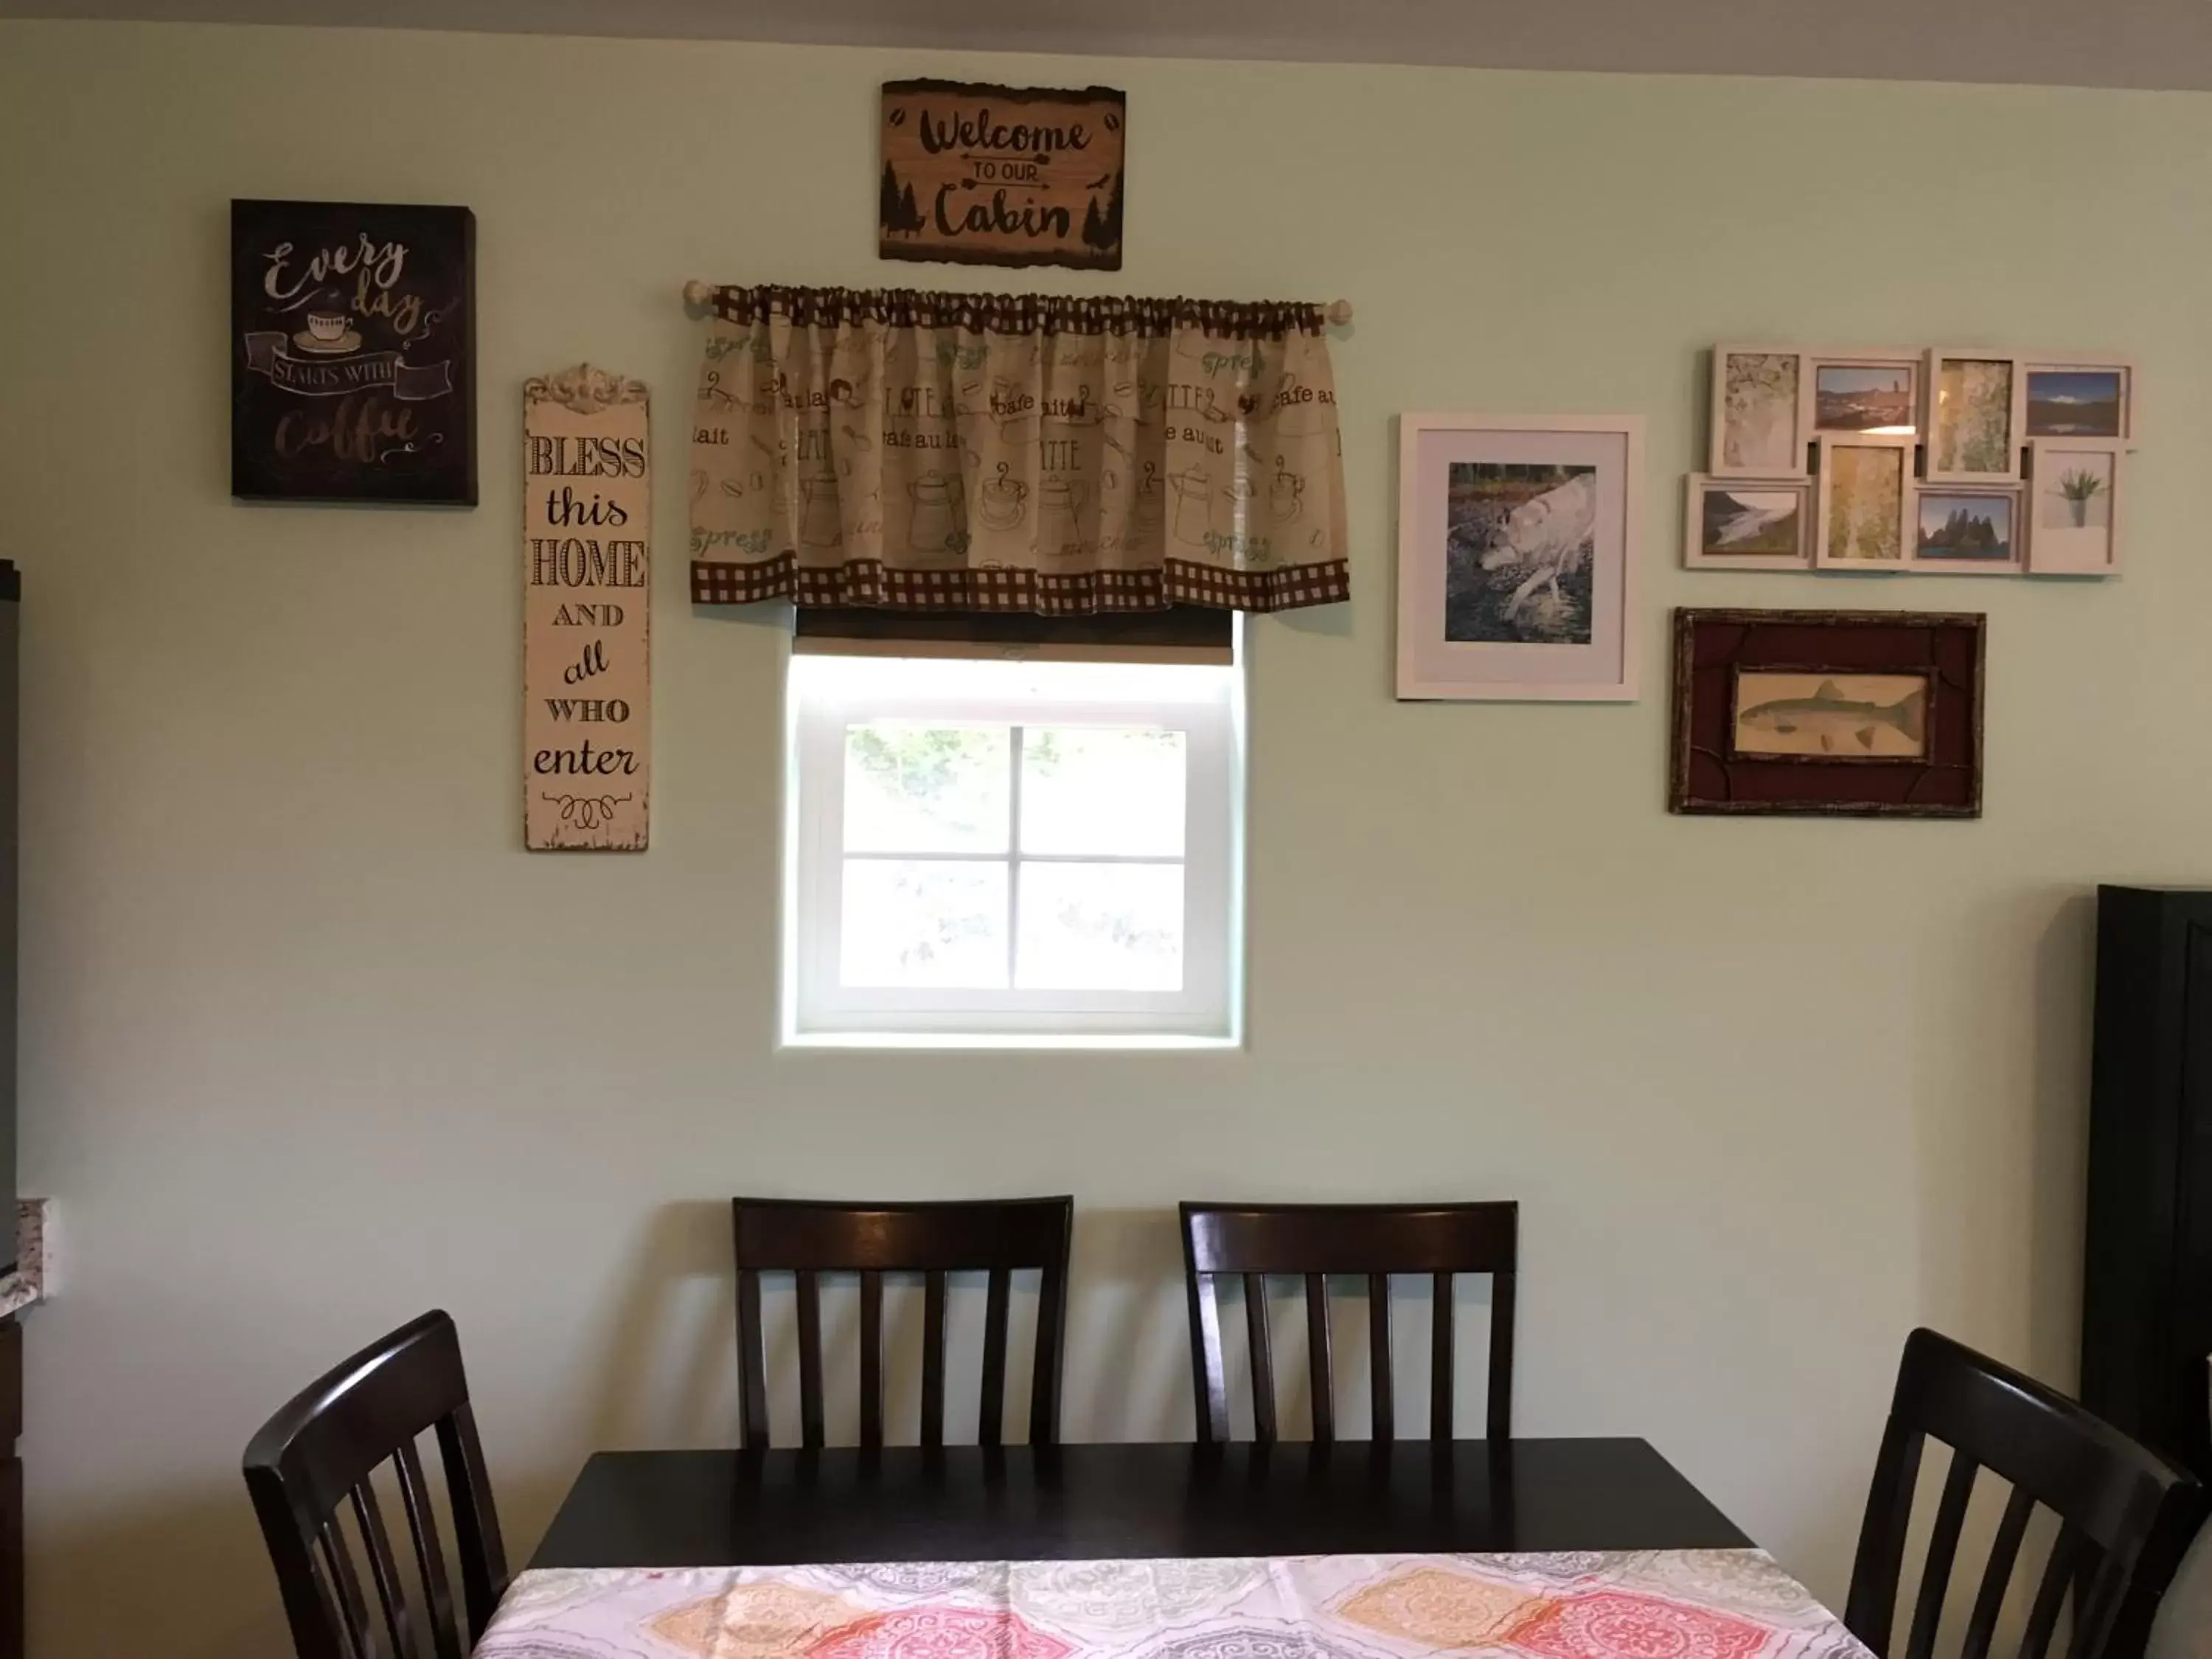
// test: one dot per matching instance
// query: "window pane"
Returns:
(1101, 928)
(1102, 789)
(911, 788)
(915, 922)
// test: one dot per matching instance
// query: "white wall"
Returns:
(310, 1044)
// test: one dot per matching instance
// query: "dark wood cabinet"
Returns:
(2147, 1314)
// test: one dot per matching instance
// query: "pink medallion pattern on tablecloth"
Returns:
(1646, 1604)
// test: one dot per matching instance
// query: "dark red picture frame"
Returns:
(1709, 775)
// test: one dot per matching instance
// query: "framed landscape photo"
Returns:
(1966, 529)
(1517, 548)
(1976, 406)
(2072, 517)
(2092, 399)
(1869, 714)
(1747, 524)
(1757, 412)
(1863, 393)
(353, 353)
(1865, 482)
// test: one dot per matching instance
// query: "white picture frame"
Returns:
(1758, 422)
(2040, 420)
(1518, 548)
(1870, 408)
(2064, 539)
(1843, 524)
(1973, 519)
(1956, 418)
(1706, 529)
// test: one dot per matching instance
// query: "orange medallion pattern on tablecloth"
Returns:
(940, 1632)
(754, 1621)
(1611, 1625)
(1439, 1608)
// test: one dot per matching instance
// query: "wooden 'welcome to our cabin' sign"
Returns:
(991, 175)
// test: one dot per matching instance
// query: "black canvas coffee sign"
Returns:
(982, 174)
(353, 356)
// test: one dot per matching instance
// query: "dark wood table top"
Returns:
(687, 1508)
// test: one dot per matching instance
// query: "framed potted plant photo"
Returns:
(1747, 524)
(2072, 516)
(1865, 481)
(1966, 529)
(1757, 412)
(1867, 713)
(1976, 407)
(1851, 393)
(2086, 397)
(1517, 556)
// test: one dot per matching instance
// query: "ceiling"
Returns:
(2100, 43)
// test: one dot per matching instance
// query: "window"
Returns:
(1015, 849)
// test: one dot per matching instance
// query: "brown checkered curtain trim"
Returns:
(1015, 313)
(995, 453)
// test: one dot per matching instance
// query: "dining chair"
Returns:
(315, 1460)
(1373, 1241)
(2106, 1491)
(807, 1238)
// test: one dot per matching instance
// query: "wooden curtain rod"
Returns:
(696, 295)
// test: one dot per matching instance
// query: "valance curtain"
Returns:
(987, 452)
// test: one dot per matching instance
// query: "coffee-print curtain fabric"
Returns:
(987, 452)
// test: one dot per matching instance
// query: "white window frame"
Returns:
(828, 694)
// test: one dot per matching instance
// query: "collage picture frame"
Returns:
(1936, 461)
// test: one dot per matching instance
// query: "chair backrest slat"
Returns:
(429, 1551)
(1319, 1363)
(872, 1356)
(2107, 1491)
(318, 1457)
(383, 1571)
(933, 1358)
(991, 1417)
(1997, 1577)
(2058, 1574)
(1263, 1359)
(1381, 1384)
(808, 1238)
(1942, 1553)
(1252, 1242)
(809, 1296)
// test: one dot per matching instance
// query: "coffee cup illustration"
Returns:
(1194, 488)
(1004, 500)
(327, 334)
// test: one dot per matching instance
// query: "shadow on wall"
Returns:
(668, 1375)
(2065, 987)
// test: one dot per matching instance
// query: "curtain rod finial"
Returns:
(696, 294)
(1338, 311)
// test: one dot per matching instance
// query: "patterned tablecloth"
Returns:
(1661, 1604)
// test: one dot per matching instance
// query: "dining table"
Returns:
(1583, 1548)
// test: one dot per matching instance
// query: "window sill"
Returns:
(1136, 1042)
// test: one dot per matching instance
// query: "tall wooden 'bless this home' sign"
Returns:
(586, 612)
(990, 175)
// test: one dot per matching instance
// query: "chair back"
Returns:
(807, 1238)
(2106, 1491)
(315, 1460)
(1373, 1241)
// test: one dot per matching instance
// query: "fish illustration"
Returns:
(1829, 714)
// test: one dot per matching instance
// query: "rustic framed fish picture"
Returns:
(1517, 540)
(1867, 713)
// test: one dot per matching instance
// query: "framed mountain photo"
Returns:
(353, 353)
